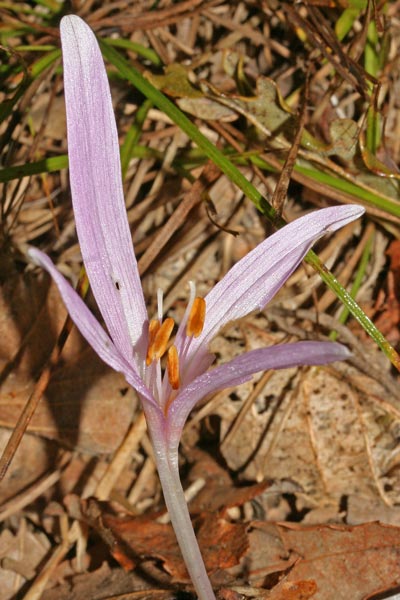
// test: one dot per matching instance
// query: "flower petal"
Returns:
(255, 279)
(95, 175)
(241, 368)
(90, 328)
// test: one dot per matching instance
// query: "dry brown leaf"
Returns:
(223, 544)
(361, 510)
(294, 590)
(20, 556)
(107, 583)
(56, 127)
(33, 458)
(319, 562)
(226, 594)
(219, 493)
(280, 121)
(324, 435)
(387, 306)
(86, 405)
(345, 562)
(132, 538)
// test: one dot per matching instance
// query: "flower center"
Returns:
(159, 344)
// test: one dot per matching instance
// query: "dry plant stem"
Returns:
(40, 387)
(26, 497)
(191, 198)
(233, 430)
(175, 501)
(33, 400)
(123, 454)
(280, 192)
(38, 586)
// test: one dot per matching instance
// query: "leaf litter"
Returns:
(287, 472)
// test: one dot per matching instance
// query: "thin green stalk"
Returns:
(375, 199)
(47, 165)
(56, 163)
(147, 53)
(133, 135)
(344, 315)
(35, 48)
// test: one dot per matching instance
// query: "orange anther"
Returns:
(173, 367)
(159, 345)
(195, 322)
(154, 327)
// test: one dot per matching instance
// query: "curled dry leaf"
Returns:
(134, 539)
(328, 435)
(219, 492)
(338, 559)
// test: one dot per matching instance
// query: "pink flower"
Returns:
(134, 346)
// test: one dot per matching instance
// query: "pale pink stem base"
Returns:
(182, 524)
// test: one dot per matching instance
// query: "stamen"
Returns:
(154, 327)
(173, 367)
(160, 299)
(195, 322)
(158, 346)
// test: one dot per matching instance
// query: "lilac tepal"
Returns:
(133, 345)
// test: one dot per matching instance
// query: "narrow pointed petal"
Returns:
(90, 328)
(241, 368)
(253, 281)
(96, 184)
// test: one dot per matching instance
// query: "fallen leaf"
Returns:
(344, 562)
(107, 583)
(324, 436)
(219, 493)
(86, 405)
(175, 82)
(133, 538)
(223, 543)
(20, 556)
(33, 458)
(361, 510)
(294, 590)
(271, 115)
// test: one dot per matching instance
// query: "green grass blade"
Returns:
(147, 53)
(369, 196)
(133, 135)
(47, 165)
(344, 315)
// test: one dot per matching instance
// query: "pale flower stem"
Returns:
(182, 524)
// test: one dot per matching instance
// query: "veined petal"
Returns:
(90, 328)
(255, 279)
(241, 368)
(96, 184)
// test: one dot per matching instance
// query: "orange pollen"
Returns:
(195, 322)
(159, 336)
(154, 327)
(173, 367)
